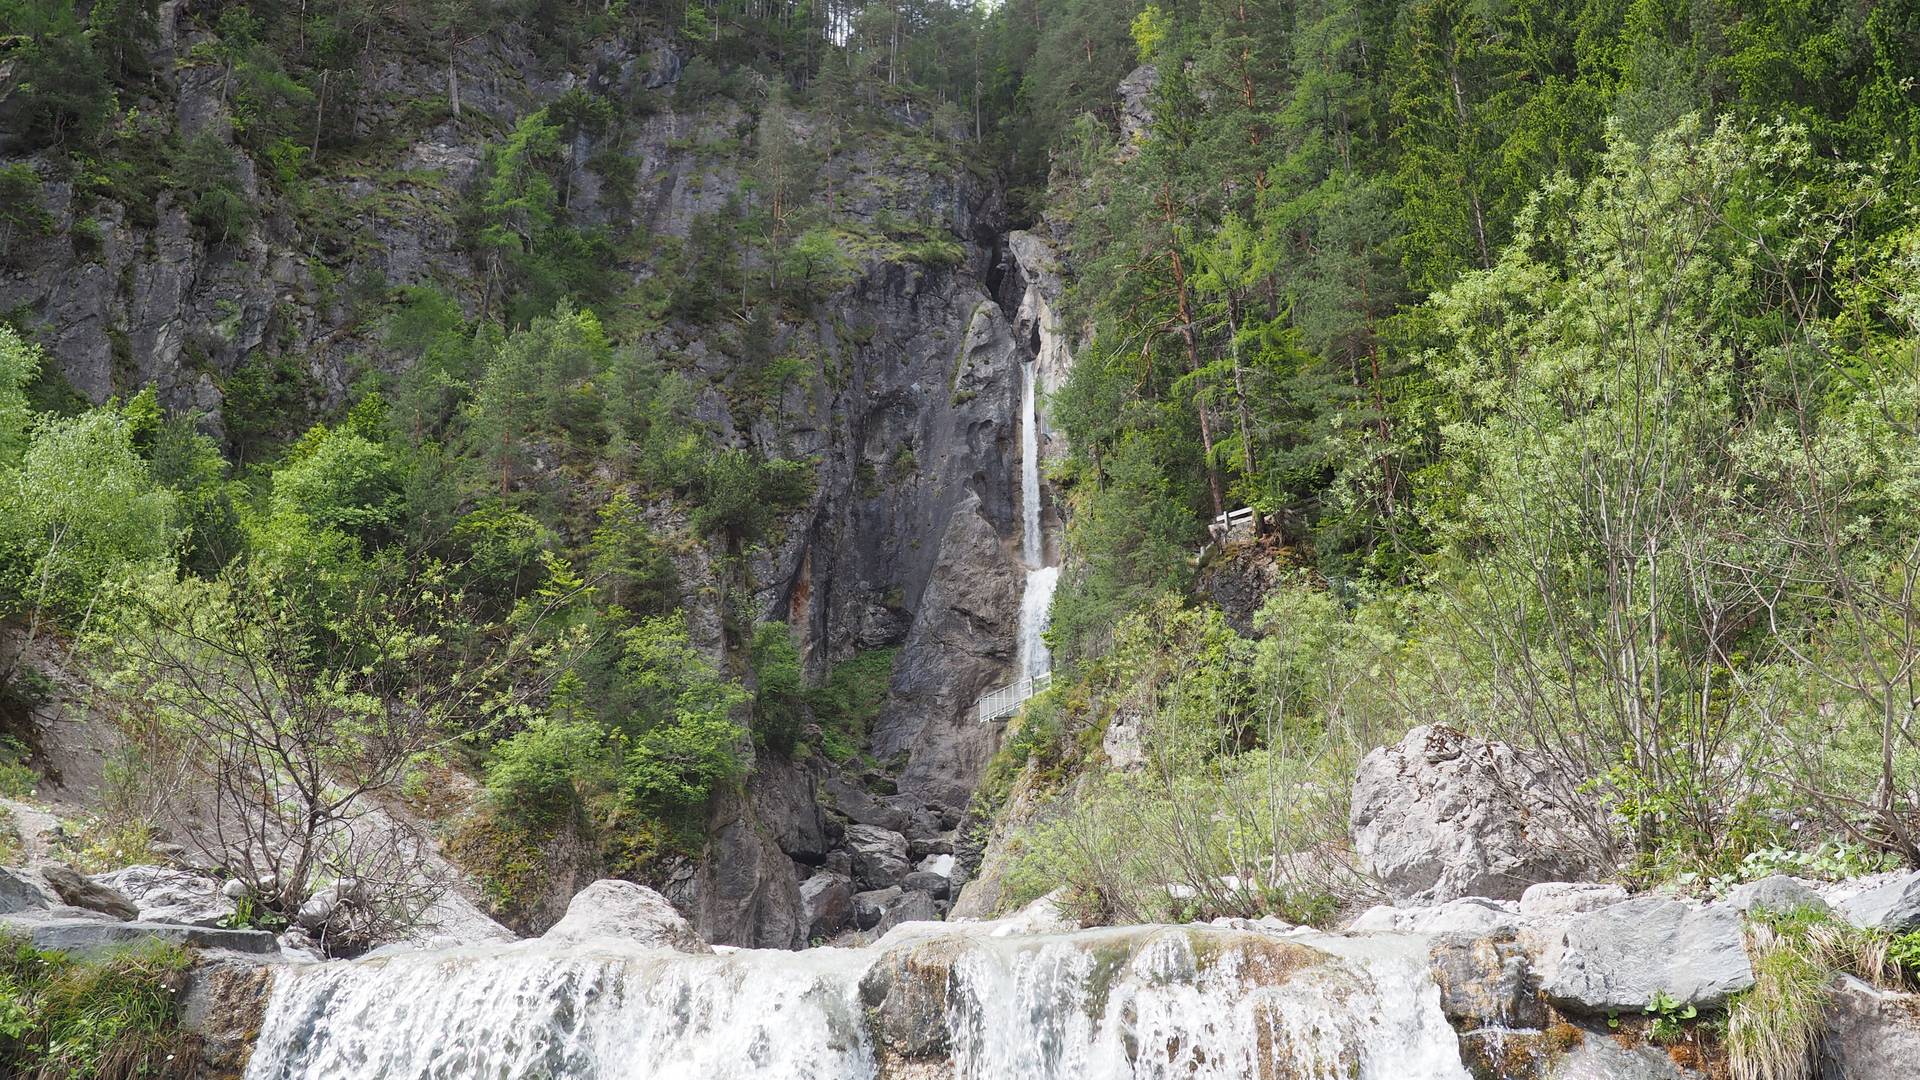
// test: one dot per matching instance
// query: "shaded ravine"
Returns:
(969, 1001)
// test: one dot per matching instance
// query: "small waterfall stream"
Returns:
(1131, 1003)
(1037, 598)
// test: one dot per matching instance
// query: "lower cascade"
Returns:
(970, 1001)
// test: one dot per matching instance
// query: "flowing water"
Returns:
(1118, 1004)
(1037, 599)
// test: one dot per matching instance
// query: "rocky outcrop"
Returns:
(624, 911)
(164, 894)
(1893, 906)
(1616, 959)
(1870, 1033)
(21, 891)
(85, 935)
(1442, 815)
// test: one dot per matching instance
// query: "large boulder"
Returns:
(909, 907)
(81, 893)
(627, 912)
(1871, 1033)
(20, 892)
(879, 855)
(826, 901)
(164, 894)
(1893, 906)
(871, 906)
(1778, 893)
(1617, 958)
(1441, 816)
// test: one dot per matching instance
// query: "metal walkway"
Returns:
(1007, 700)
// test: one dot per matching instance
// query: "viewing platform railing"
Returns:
(1007, 700)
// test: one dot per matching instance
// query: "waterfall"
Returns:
(1131, 1003)
(1037, 598)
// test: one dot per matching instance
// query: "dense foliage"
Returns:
(1567, 352)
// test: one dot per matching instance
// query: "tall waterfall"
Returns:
(1136, 1003)
(1035, 601)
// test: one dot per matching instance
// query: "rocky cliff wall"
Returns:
(909, 414)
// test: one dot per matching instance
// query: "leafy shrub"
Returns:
(208, 171)
(778, 697)
(17, 778)
(848, 699)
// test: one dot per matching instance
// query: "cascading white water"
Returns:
(1037, 599)
(1132, 1003)
(593, 1012)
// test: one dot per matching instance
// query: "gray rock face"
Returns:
(1136, 110)
(1467, 915)
(1485, 981)
(92, 935)
(1568, 897)
(81, 893)
(1778, 893)
(826, 901)
(1442, 815)
(163, 894)
(743, 891)
(879, 855)
(1616, 959)
(1872, 1034)
(1894, 907)
(20, 892)
(629, 912)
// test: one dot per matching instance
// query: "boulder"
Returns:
(1893, 906)
(926, 881)
(626, 911)
(871, 906)
(298, 944)
(1550, 898)
(315, 912)
(1616, 959)
(20, 892)
(910, 907)
(1776, 893)
(826, 901)
(1440, 816)
(163, 894)
(81, 893)
(1871, 1033)
(879, 855)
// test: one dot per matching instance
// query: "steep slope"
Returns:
(897, 384)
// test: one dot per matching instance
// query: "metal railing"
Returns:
(1007, 700)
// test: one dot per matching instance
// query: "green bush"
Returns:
(208, 172)
(537, 775)
(848, 699)
(778, 697)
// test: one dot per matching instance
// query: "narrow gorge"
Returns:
(974, 539)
